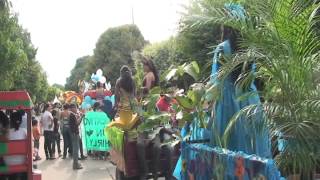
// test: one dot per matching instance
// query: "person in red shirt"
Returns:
(164, 104)
(36, 138)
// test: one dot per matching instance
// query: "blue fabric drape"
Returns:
(244, 136)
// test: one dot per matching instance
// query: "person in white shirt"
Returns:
(24, 119)
(47, 125)
(16, 133)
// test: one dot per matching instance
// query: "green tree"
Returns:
(12, 52)
(164, 54)
(58, 86)
(197, 42)
(53, 92)
(18, 68)
(114, 49)
(79, 72)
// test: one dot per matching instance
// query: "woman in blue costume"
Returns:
(243, 137)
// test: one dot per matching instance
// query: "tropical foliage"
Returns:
(281, 39)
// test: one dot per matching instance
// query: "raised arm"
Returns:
(117, 93)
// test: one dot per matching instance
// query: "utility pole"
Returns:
(132, 16)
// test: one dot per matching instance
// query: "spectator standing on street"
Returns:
(75, 121)
(47, 125)
(66, 131)
(56, 134)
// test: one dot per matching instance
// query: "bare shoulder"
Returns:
(150, 75)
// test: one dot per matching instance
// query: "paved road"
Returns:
(62, 169)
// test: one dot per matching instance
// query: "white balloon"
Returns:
(103, 80)
(99, 72)
(108, 86)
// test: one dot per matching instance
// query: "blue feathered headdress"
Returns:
(235, 10)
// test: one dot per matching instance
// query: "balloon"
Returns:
(88, 106)
(83, 105)
(92, 102)
(108, 86)
(97, 77)
(113, 100)
(87, 99)
(99, 72)
(93, 78)
(103, 79)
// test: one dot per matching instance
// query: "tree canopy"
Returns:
(19, 69)
(113, 49)
(79, 72)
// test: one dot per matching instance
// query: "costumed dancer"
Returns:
(125, 100)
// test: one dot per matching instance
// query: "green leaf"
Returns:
(185, 102)
(155, 90)
(171, 74)
(193, 70)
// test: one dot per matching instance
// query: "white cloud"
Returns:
(64, 30)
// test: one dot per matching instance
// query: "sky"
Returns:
(64, 30)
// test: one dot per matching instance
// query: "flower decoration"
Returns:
(239, 168)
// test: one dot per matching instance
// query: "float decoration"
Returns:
(71, 97)
(98, 77)
(94, 129)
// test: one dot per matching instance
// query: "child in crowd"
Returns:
(36, 139)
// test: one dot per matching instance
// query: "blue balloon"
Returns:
(83, 105)
(96, 77)
(92, 102)
(88, 106)
(113, 100)
(87, 99)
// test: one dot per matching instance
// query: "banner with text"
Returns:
(94, 125)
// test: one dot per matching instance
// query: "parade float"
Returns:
(148, 122)
(218, 143)
(97, 105)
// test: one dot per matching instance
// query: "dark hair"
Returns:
(125, 81)
(73, 106)
(152, 67)
(46, 106)
(16, 120)
(54, 112)
(34, 122)
(4, 120)
(66, 106)
(22, 112)
(96, 106)
(233, 36)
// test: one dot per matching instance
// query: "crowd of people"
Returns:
(62, 122)
(54, 122)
